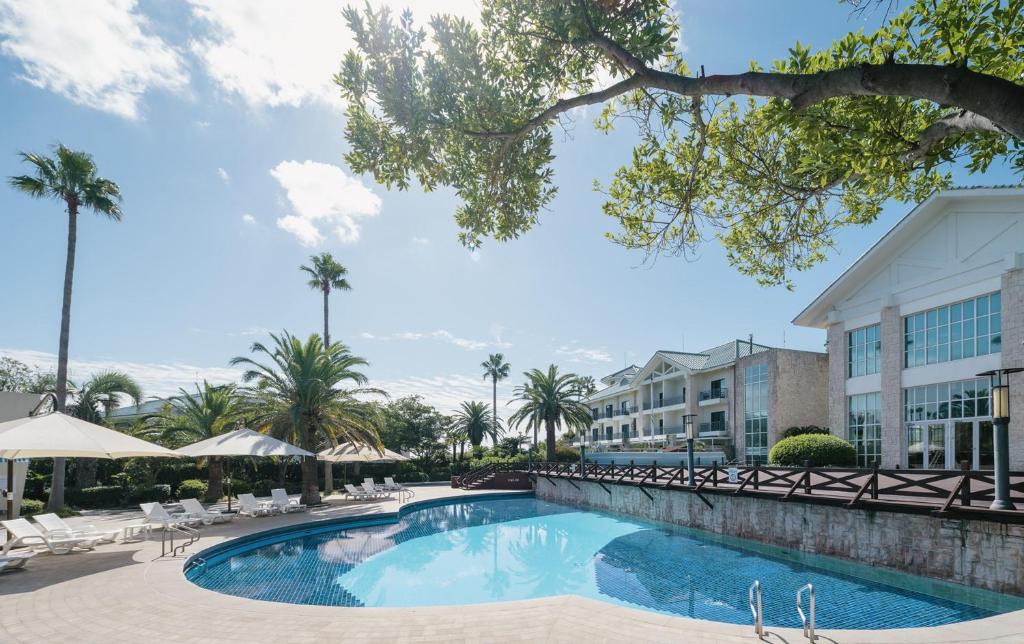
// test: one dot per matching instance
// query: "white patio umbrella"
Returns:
(59, 435)
(241, 442)
(349, 453)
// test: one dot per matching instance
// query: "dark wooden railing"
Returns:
(941, 492)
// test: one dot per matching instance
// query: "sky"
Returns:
(219, 121)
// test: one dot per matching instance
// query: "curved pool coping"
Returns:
(247, 542)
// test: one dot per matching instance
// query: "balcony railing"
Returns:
(714, 394)
(715, 427)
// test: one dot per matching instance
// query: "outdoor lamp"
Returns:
(999, 385)
(691, 435)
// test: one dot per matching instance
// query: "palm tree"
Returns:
(326, 274)
(70, 176)
(188, 418)
(496, 369)
(550, 399)
(299, 391)
(94, 401)
(475, 420)
(585, 386)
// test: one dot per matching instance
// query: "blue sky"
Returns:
(220, 124)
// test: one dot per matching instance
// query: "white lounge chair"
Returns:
(353, 492)
(158, 515)
(23, 533)
(389, 484)
(374, 492)
(249, 506)
(54, 526)
(370, 484)
(195, 509)
(281, 501)
(14, 560)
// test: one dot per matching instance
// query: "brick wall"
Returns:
(797, 391)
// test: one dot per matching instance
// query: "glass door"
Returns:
(915, 446)
(963, 444)
(986, 450)
(937, 446)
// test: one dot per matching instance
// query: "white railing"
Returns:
(754, 599)
(806, 620)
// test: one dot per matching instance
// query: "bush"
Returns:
(804, 430)
(35, 486)
(192, 489)
(819, 449)
(149, 493)
(264, 486)
(31, 506)
(93, 498)
(240, 486)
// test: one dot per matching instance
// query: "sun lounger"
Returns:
(281, 501)
(22, 533)
(157, 515)
(195, 509)
(353, 493)
(249, 506)
(374, 492)
(370, 484)
(14, 560)
(54, 526)
(389, 484)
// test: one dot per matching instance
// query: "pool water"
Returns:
(520, 548)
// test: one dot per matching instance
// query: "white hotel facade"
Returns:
(939, 299)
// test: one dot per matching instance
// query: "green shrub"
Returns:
(31, 506)
(264, 486)
(93, 498)
(803, 430)
(35, 486)
(192, 489)
(819, 449)
(149, 493)
(67, 511)
(240, 486)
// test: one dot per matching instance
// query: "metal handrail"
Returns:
(170, 529)
(715, 393)
(806, 620)
(755, 607)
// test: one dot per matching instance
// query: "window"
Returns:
(962, 330)
(960, 399)
(608, 411)
(718, 386)
(625, 431)
(864, 351)
(625, 407)
(864, 427)
(684, 395)
(593, 434)
(596, 413)
(755, 413)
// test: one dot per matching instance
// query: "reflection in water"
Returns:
(508, 549)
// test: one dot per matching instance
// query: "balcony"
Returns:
(626, 411)
(713, 429)
(713, 396)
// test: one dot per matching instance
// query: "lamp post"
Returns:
(689, 428)
(999, 385)
(583, 452)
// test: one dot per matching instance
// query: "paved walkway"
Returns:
(127, 593)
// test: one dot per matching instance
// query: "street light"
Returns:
(999, 385)
(689, 427)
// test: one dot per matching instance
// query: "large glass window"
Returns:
(864, 351)
(864, 427)
(962, 330)
(960, 399)
(755, 413)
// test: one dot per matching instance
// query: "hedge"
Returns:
(149, 494)
(92, 498)
(31, 506)
(262, 487)
(192, 489)
(804, 429)
(819, 449)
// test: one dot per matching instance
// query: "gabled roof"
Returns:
(816, 313)
(629, 372)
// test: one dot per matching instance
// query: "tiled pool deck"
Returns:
(126, 592)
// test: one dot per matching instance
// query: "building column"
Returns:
(1012, 321)
(893, 439)
(837, 380)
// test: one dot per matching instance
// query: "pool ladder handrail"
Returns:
(806, 620)
(754, 599)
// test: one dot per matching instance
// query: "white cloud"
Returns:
(420, 241)
(581, 354)
(273, 53)
(156, 379)
(101, 54)
(223, 174)
(323, 194)
(249, 219)
(448, 391)
(443, 336)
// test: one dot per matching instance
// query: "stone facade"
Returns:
(837, 380)
(1013, 356)
(797, 386)
(980, 554)
(892, 391)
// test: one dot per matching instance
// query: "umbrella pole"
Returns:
(10, 489)
(227, 466)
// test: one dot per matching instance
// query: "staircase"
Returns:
(496, 476)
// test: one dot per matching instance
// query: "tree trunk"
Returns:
(549, 426)
(87, 468)
(56, 500)
(282, 470)
(453, 452)
(215, 480)
(494, 410)
(462, 451)
(310, 484)
(328, 478)
(327, 333)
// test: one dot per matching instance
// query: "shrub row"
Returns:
(820, 449)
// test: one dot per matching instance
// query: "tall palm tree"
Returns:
(94, 401)
(476, 421)
(586, 386)
(300, 390)
(551, 399)
(70, 176)
(324, 275)
(496, 369)
(188, 418)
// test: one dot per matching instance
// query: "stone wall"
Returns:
(1013, 356)
(837, 380)
(892, 389)
(981, 554)
(798, 391)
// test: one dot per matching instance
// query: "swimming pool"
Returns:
(503, 549)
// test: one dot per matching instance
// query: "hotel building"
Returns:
(939, 299)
